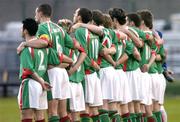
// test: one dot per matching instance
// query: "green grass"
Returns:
(9, 111)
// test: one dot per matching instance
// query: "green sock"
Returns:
(95, 118)
(139, 117)
(158, 116)
(53, 119)
(133, 117)
(104, 117)
(114, 116)
(85, 118)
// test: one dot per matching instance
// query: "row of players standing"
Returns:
(117, 58)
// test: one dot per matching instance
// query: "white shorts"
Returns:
(158, 87)
(146, 86)
(162, 88)
(107, 76)
(59, 81)
(77, 102)
(93, 93)
(31, 95)
(134, 84)
(124, 93)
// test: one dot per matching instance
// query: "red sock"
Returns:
(43, 120)
(84, 115)
(64, 119)
(26, 120)
(150, 119)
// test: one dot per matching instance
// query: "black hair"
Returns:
(46, 10)
(119, 14)
(30, 25)
(147, 17)
(85, 14)
(134, 17)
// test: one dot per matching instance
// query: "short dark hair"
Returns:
(85, 14)
(46, 10)
(147, 17)
(30, 25)
(134, 17)
(119, 14)
(97, 17)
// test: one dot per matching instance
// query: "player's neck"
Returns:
(44, 19)
(146, 29)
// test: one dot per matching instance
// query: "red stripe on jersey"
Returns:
(87, 72)
(32, 53)
(99, 60)
(125, 66)
(21, 100)
(105, 42)
(71, 53)
(26, 73)
(61, 57)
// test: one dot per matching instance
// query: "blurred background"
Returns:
(12, 12)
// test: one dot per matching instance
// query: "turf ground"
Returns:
(9, 111)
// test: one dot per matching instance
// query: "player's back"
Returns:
(55, 35)
(33, 60)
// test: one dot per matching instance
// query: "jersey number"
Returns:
(41, 55)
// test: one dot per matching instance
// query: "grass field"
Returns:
(9, 111)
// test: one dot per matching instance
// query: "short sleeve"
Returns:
(26, 63)
(43, 33)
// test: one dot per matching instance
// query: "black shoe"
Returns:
(168, 75)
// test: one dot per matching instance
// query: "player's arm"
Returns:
(45, 85)
(28, 71)
(79, 35)
(91, 27)
(134, 38)
(128, 51)
(136, 54)
(146, 67)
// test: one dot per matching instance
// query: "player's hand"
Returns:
(145, 68)
(114, 64)
(71, 71)
(46, 86)
(20, 47)
(96, 66)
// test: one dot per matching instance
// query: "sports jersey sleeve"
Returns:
(26, 64)
(43, 34)
(162, 52)
(53, 57)
(129, 48)
(69, 42)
